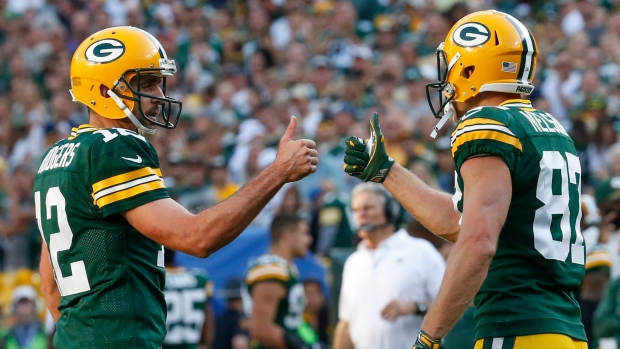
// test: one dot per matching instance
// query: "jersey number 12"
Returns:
(61, 241)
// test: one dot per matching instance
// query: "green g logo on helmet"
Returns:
(471, 34)
(105, 51)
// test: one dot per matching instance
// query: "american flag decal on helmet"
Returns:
(509, 67)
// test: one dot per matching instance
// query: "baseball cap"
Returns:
(24, 292)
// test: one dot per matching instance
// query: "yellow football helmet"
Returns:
(113, 57)
(499, 48)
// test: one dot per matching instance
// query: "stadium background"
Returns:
(245, 66)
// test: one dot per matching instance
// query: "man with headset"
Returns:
(388, 282)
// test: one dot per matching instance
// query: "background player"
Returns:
(190, 323)
(274, 296)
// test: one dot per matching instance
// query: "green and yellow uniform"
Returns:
(273, 268)
(109, 275)
(539, 262)
(187, 293)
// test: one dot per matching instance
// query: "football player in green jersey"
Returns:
(190, 323)
(274, 296)
(103, 210)
(514, 217)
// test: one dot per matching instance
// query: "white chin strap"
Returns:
(448, 112)
(142, 130)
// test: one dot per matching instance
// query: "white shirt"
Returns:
(403, 268)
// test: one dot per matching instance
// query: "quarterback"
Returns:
(514, 217)
(103, 210)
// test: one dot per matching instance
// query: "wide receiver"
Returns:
(515, 214)
(102, 207)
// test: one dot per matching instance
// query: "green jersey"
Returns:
(187, 293)
(109, 275)
(273, 268)
(539, 263)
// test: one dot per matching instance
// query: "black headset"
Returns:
(391, 207)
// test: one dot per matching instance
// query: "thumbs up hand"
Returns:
(368, 159)
(296, 158)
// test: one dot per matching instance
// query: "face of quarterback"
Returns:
(151, 107)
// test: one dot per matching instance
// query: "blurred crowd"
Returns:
(245, 66)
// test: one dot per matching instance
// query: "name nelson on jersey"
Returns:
(59, 156)
(543, 122)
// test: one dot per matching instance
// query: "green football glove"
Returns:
(425, 341)
(367, 159)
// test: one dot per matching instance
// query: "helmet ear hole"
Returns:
(468, 71)
(103, 89)
(496, 38)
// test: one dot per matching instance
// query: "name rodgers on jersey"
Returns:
(63, 155)
(59, 156)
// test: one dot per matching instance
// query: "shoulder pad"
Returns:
(267, 267)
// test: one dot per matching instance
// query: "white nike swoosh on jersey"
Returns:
(137, 160)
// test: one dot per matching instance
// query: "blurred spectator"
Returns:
(316, 313)
(414, 100)
(221, 184)
(20, 241)
(384, 317)
(341, 48)
(334, 226)
(445, 165)
(291, 203)
(232, 332)
(560, 87)
(193, 192)
(604, 136)
(26, 330)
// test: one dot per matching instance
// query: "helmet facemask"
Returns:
(442, 106)
(170, 109)
(445, 90)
